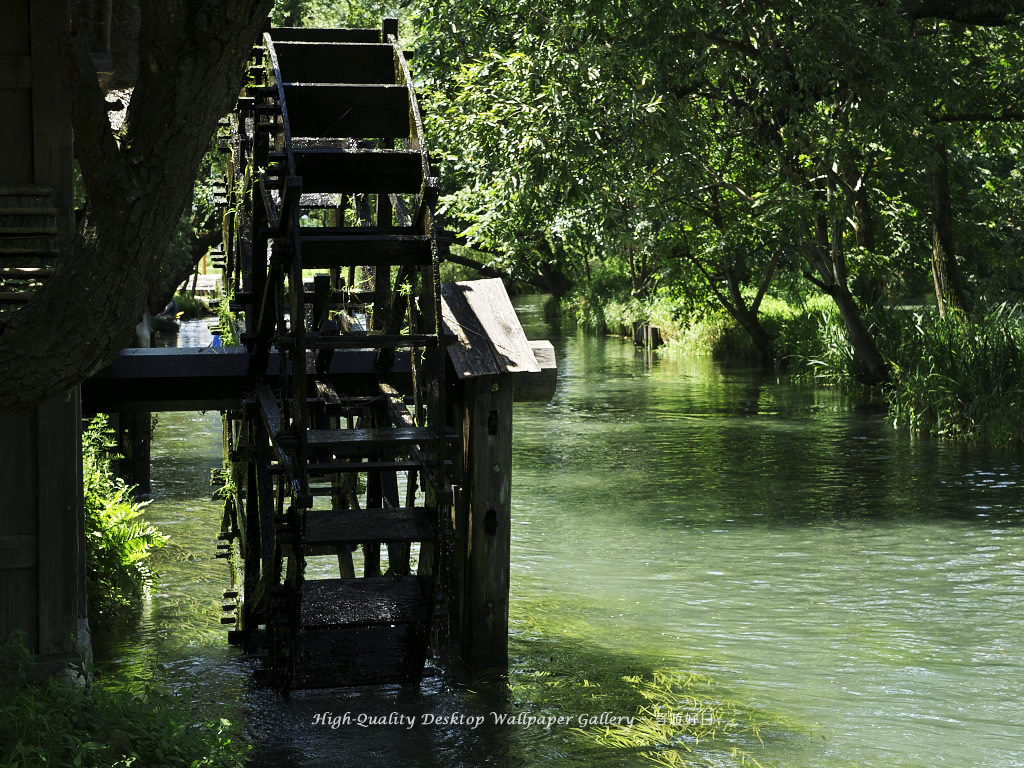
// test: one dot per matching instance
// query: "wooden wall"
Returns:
(35, 131)
(42, 545)
(42, 564)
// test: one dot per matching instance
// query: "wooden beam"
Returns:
(216, 378)
(486, 337)
(538, 386)
(61, 526)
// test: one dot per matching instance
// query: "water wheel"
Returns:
(338, 504)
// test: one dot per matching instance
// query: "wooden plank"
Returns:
(15, 36)
(353, 64)
(17, 552)
(53, 157)
(16, 166)
(322, 252)
(487, 338)
(371, 341)
(370, 437)
(15, 71)
(376, 171)
(19, 604)
(215, 378)
(338, 467)
(25, 195)
(325, 35)
(364, 602)
(19, 501)
(353, 111)
(61, 525)
(328, 526)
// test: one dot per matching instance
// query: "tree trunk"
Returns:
(949, 292)
(874, 369)
(193, 67)
(869, 287)
(747, 317)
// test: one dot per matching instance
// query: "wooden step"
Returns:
(27, 244)
(351, 526)
(334, 658)
(376, 171)
(370, 341)
(23, 273)
(346, 467)
(22, 261)
(356, 111)
(321, 252)
(324, 35)
(26, 197)
(355, 298)
(357, 231)
(354, 63)
(372, 601)
(373, 437)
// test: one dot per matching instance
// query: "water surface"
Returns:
(837, 593)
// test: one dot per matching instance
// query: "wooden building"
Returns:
(42, 560)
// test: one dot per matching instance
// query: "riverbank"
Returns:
(959, 378)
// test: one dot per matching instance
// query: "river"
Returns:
(752, 570)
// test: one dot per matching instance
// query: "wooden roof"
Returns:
(487, 337)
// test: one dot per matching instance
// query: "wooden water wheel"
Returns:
(338, 502)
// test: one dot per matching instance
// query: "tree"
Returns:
(745, 120)
(192, 66)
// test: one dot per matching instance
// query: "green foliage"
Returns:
(229, 322)
(331, 13)
(718, 149)
(56, 723)
(959, 378)
(192, 306)
(118, 542)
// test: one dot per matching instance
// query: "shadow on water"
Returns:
(563, 701)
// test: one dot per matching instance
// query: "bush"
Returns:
(117, 541)
(191, 306)
(69, 724)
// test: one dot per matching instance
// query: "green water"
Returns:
(845, 595)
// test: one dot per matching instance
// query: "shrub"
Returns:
(118, 542)
(69, 724)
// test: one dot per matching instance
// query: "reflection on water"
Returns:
(857, 593)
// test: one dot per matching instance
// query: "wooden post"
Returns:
(490, 357)
(42, 538)
(487, 517)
